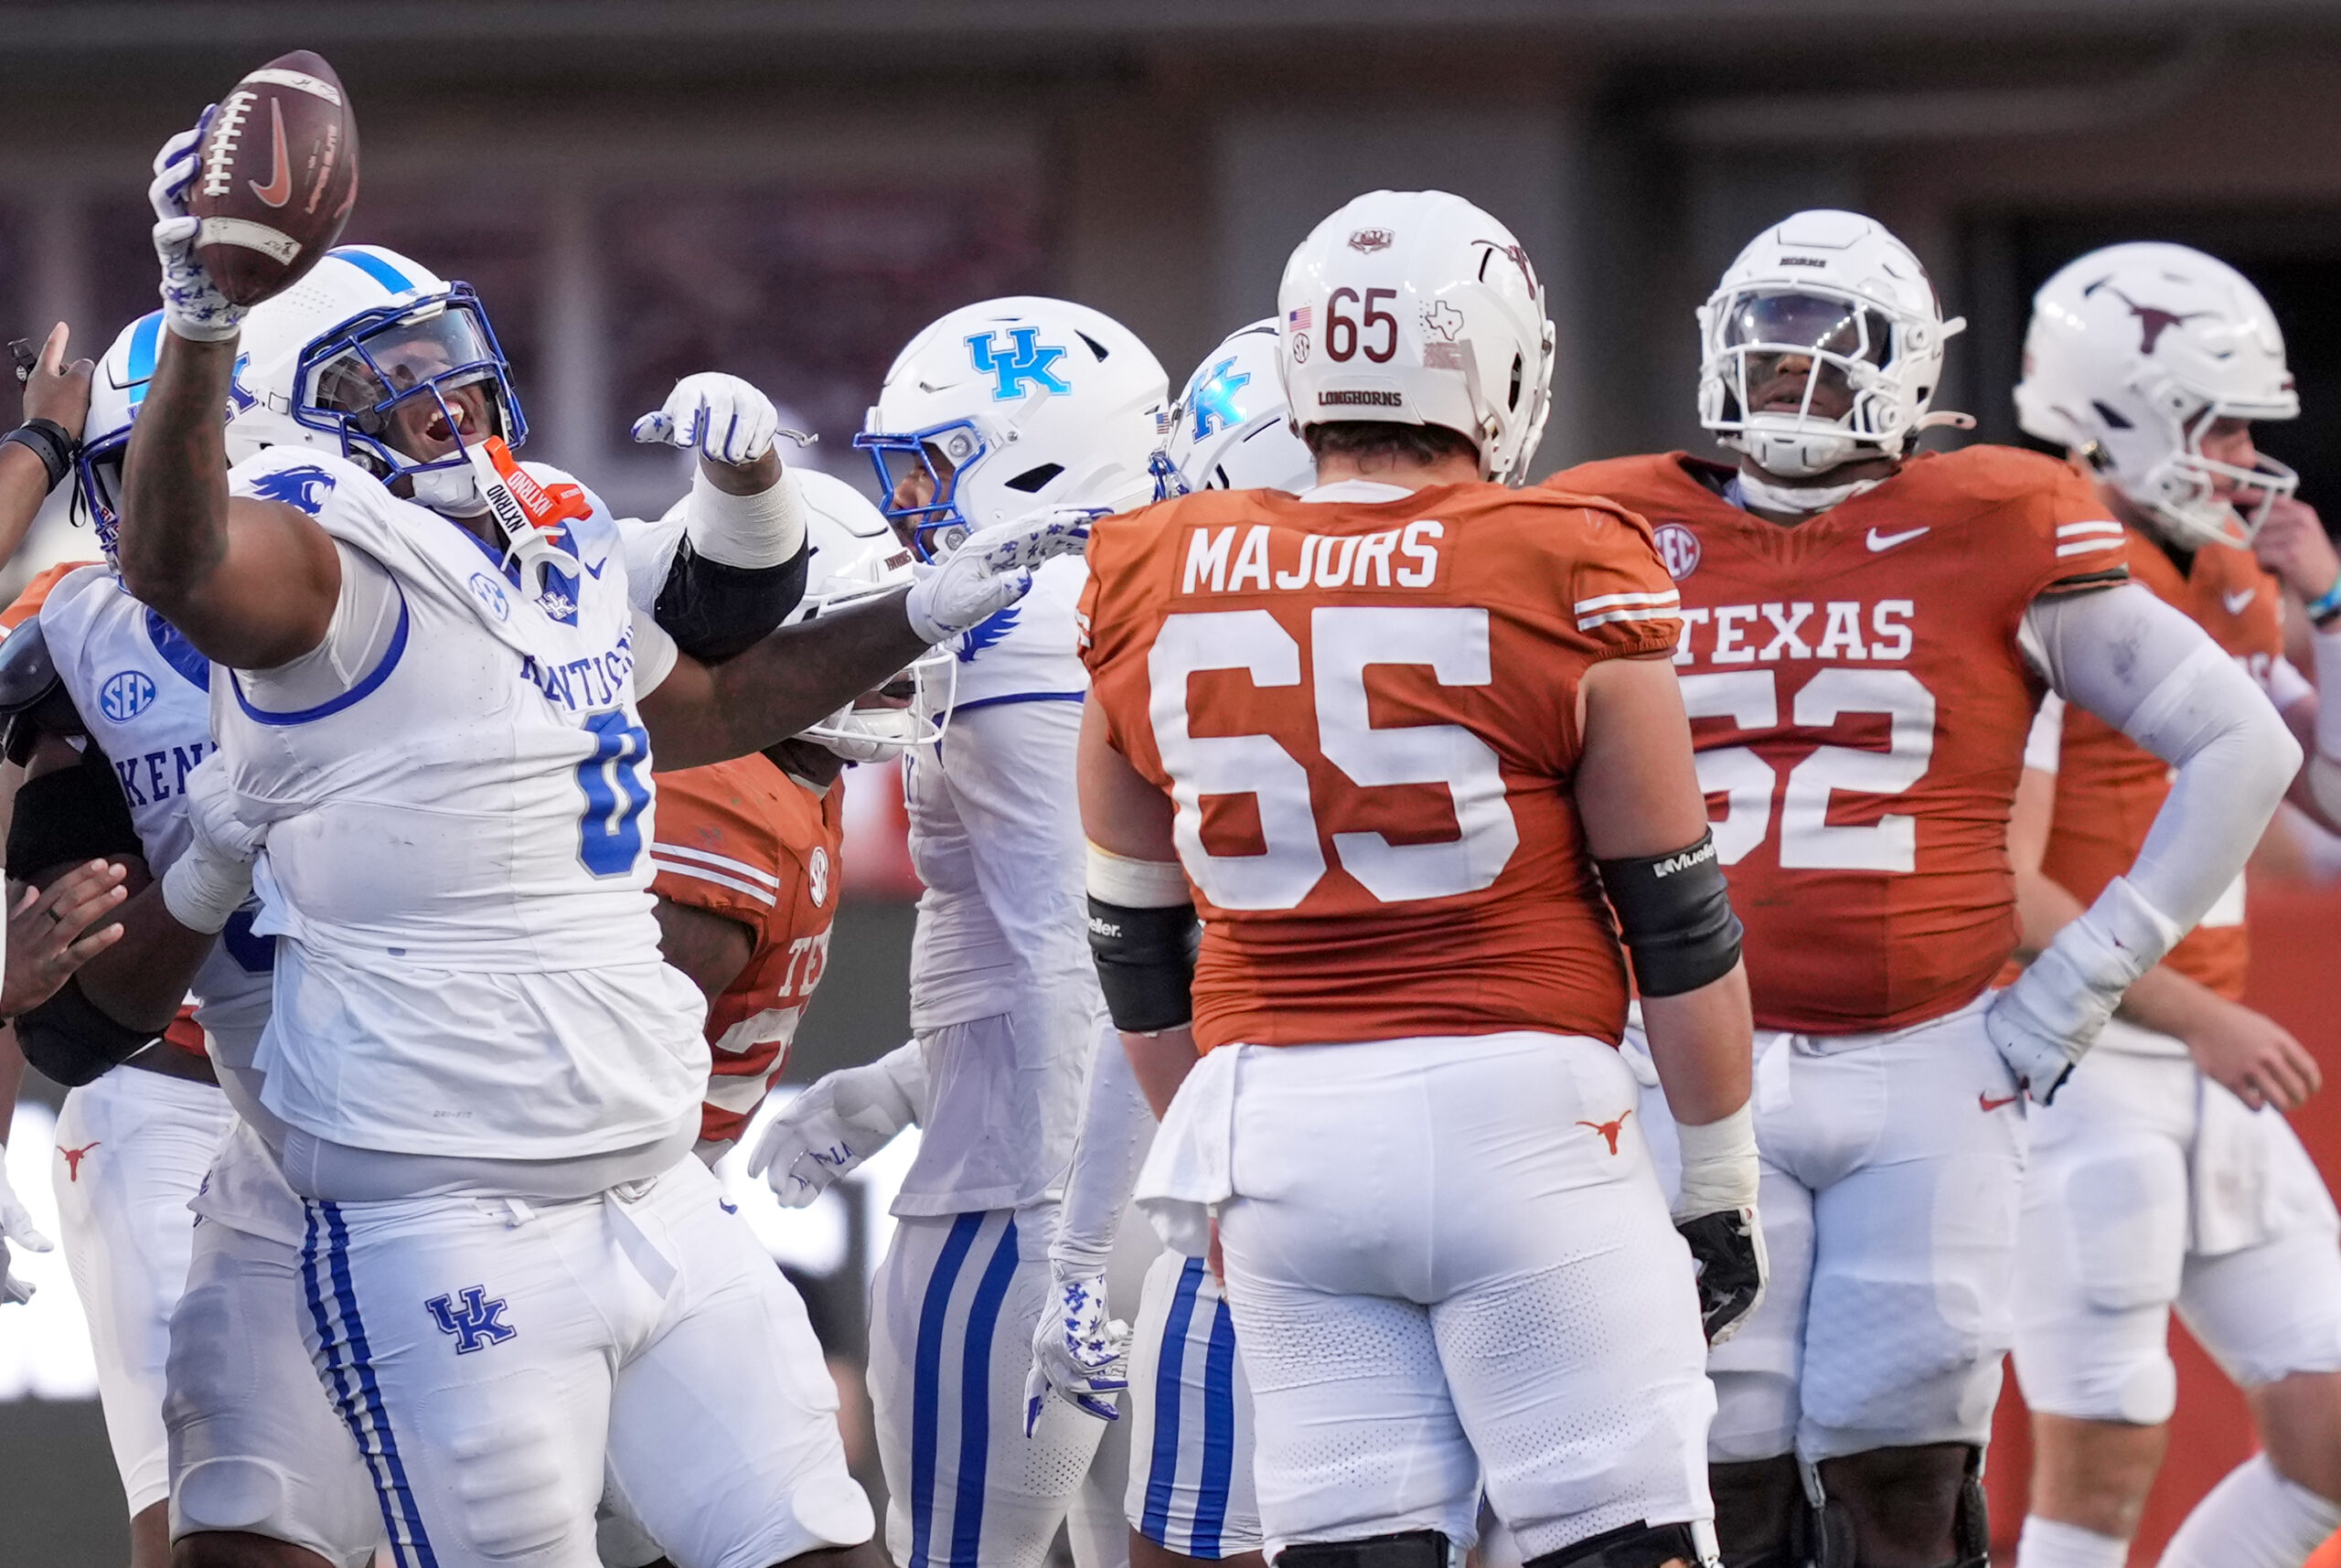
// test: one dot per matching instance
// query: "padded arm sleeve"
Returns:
(2147, 669)
(1116, 1131)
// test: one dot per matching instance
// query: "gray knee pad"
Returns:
(1408, 1549)
(1637, 1545)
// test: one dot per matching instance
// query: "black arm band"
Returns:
(70, 816)
(1676, 916)
(716, 612)
(1146, 963)
(71, 1041)
(46, 440)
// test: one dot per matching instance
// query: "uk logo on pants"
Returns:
(477, 1322)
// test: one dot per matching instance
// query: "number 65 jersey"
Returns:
(1364, 706)
(1859, 704)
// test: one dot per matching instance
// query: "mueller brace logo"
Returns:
(1686, 860)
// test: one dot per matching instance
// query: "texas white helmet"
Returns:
(1416, 307)
(1837, 292)
(328, 362)
(1230, 429)
(1010, 406)
(116, 389)
(2134, 351)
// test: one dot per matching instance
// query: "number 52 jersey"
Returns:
(1859, 705)
(1364, 706)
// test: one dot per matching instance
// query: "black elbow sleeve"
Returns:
(716, 612)
(1675, 913)
(71, 1041)
(1146, 963)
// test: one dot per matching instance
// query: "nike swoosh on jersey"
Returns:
(2237, 601)
(1878, 541)
(1988, 1104)
(593, 568)
(279, 189)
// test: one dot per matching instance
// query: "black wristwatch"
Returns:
(46, 440)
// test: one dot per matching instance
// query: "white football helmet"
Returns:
(856, 557)
(1416, 307)
(1230, 429)
(1011, 406)
(1838, 291)
(2134, 351)
(116, 389)
(326, 363)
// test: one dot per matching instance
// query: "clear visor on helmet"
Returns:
(1802, 355)
(410, 390)
(918, 480)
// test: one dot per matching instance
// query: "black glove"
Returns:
(1728, 1246)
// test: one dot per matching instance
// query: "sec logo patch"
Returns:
(124, 696)
(490, 593)
(817, 874)
(1678, 547)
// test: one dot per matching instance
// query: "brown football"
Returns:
(276, 174)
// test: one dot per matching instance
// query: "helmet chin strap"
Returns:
(450, 492)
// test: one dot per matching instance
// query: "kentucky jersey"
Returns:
(1365, 711)
(2109, 787)
(1859, 705)
(144, 695)
(457, 864)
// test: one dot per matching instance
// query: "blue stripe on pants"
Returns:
(1163, 1475)
(345, 1397)
(975, 1400)
(926, 1382)
(403, 1523)
(1218, 1433)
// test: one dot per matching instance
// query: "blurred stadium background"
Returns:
(787, 189)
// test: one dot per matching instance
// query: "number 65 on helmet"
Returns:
(1416, 307)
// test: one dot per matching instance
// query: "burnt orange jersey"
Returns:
(744, 841)
(2109, 787)
(1365, 712)
(1860, 706)
(28, 602)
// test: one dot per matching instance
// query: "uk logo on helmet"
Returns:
(124, 696)
(1027, 359)
(1215, 398)
(1678, 549)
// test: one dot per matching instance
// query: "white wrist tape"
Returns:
(1136, 884)
(752, 532)
(2326, 646)
(201, 889)
(1720, 1165)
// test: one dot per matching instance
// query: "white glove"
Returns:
(992, 569)
(16, 1227)
(724, 418)
(211, 880)
(829, 1129)
(192, 304)
(2047, 1021)
(1079, 1354)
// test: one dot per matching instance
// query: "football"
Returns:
(276, 176)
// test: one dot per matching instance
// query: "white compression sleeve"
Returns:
(1116, 1131)
(358, 638)
(2144, 667)
(765, 529)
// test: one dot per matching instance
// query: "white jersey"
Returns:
(458, 863)
(995, 835)
(144, 695)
